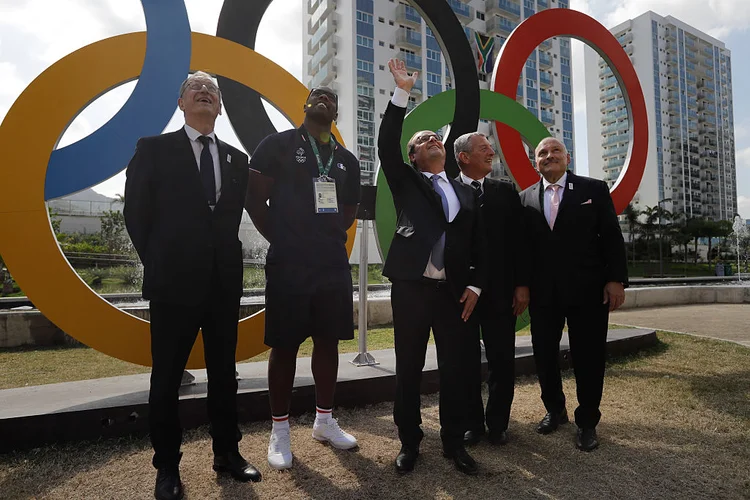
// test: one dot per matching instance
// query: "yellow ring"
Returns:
(44, 109)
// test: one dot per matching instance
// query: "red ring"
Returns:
(565, 22)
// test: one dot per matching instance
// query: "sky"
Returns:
(36, 33)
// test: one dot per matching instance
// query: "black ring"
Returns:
(238, 22)
(458, 54)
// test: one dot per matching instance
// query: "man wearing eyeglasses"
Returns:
(437, 263)
(303, 196)
(184, 196)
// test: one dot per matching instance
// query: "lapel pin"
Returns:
(229, 158)
(570, 186)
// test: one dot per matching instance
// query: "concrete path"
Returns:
(720, 321)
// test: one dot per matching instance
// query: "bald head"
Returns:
(552, 158)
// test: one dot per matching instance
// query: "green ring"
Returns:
(434, 113)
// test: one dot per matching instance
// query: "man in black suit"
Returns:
(506, 294)
(184, 196)
(436, 262)
(580, 277)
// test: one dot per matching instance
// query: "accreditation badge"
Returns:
(325, 195)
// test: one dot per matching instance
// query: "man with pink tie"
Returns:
(580, 276)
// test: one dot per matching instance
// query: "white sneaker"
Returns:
(280, 449)
(330, 431)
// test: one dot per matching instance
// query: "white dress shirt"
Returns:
(213, 147)
(548, 193)
(468, 180)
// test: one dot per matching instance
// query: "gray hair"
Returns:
(463, 144)
(193, 76)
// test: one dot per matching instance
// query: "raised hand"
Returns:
(401, 76)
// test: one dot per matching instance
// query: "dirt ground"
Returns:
(676, 424)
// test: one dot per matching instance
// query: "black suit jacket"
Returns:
(508, 265)
(176, 234)
(584, 252)
(421, 220)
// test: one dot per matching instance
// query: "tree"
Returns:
(716, 229)
(114, 235)
(631, 217)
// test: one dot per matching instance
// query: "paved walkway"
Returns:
(720, 321)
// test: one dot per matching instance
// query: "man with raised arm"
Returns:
(436, 262)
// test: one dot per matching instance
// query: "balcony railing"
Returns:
(503, 8)
(500, 25)
(406, 14)
(413, 62)
(547, 99)
(545, 80)
(462, 10)
(548, 117)
(409, 38)
(545, 60)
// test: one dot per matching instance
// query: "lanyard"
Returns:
(314, 144)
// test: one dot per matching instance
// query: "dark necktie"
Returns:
(480, 192)
(207, 171)
(438, 249)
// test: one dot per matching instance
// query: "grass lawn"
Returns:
(675, 424)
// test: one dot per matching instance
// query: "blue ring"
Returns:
(147, 111)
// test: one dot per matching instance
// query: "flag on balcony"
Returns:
(484, 52)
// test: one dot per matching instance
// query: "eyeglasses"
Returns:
(197, 86)
(426, 137)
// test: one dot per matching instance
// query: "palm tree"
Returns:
(631, 217)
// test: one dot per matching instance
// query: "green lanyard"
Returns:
(321, 169)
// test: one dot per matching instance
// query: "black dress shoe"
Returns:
(586, 439)
(552, 421)
(406, 458)
(472, 437)
(168, 484)
(237, 466)
(498, 437)
(462, 460)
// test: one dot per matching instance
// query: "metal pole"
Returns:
(661, 235)
(363, 358)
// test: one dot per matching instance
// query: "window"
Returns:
(365, 115)
(567, 116)
(566, 97)
(564, 61)
(531, 103)
(480, 15)
(381, 19)
(381, 43)
(434, 78)
(365, 41)
(381, 67)
(531, 83)
(364, 17)
(566, 79)
(365, 66)
(567, 134)
(530, 64)
(382, 91)
(433, 55)
(365, 90)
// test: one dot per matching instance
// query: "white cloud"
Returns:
(743, 206)
(743, 158)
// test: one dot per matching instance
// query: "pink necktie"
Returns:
(554, 204)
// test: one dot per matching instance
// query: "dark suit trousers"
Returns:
(499, 335)
(587, 331)
(419, 306)
(174, 328)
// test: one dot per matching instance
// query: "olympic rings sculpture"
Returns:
(160, 58)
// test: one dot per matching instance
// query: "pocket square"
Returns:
(587, 202)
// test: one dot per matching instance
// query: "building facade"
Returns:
(686, 77)
(348, 44)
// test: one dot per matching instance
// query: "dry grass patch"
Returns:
(676, 424)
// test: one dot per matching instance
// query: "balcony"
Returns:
(412, 61)
(674, 95)
(406, 14)
(708, 51)
(511, 10)
(689, 42)
(548, 117)
(708, 62)
(671, 47)
(674, 121)
(610, 93)
(463, 12)
(613, 116)
(605, 72)
(546, 99)
(326, 51)
(500, 26)
(672, 83)
(616, 127)
(613, 104)
(707, 108)
(545, 60)
(670, 33)
(409, 39)
(545, 80)
(691, 89)
(704, 84)
(691, 54)
(546, 45)
(543, 4)
(616, 139)
(614, 162)
(621, 150)
(325, 75)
